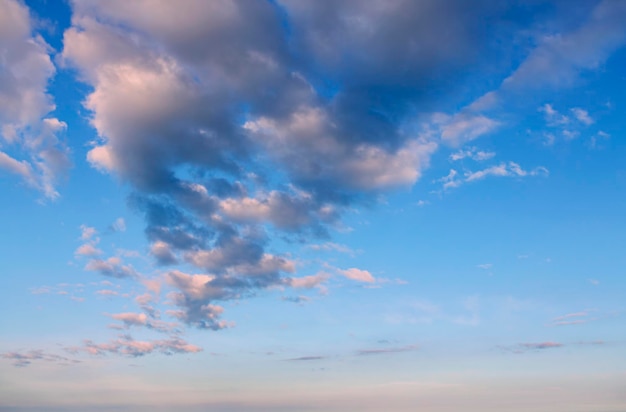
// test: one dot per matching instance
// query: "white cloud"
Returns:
(25, 104)
(582, 116)
(471, 153)
(119, 225)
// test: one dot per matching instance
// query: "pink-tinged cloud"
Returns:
(88, 250)
(112, 267)
(358, 275)
(309, 282)
(131, 319)
(127, 346)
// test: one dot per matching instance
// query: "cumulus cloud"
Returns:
(25, 128)
(231, 134)
(163, 253)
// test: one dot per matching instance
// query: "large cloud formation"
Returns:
(30, 146)
(234, 120)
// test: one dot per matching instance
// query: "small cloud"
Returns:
(533, 346)
(308, 282)
(296, 299)
(422, 203)
(306, 358)
(334, 247)
(541, 345)
(23, 359)
(107, 292)
(358, 275)
(471, 153)
(384, 351)
(594, 282)
(552, 116)
(111, 267)
(485, 266)
(582, 116)
(43, 290)
(576, 318)
(87, 232)
(88, 249)
(119, 225)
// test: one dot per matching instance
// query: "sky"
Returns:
(312, 205)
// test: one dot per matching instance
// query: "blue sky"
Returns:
(311, 205)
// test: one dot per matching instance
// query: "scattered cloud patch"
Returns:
(23, 359)
(471, 153)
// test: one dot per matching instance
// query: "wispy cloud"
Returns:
(385, 351)
(22, 359)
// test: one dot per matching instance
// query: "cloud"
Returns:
(119, 225)
(88, 250)
(296, 299)
(131, 319)
(471, 153)
(306, 358)
(87, 232)
(127, 346)
(331, 246)
(111, 267)
(576, 318)
(308, 282)
(232, 132)
(25, 104)
(359, 275)
(510, 169)
(531, 347)
(559, 58)
(541, 345)
(385, 351)
(107, 292)
(485, 266)
(23, 359)
(463, 127)
(163, 253)
(582, 116)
